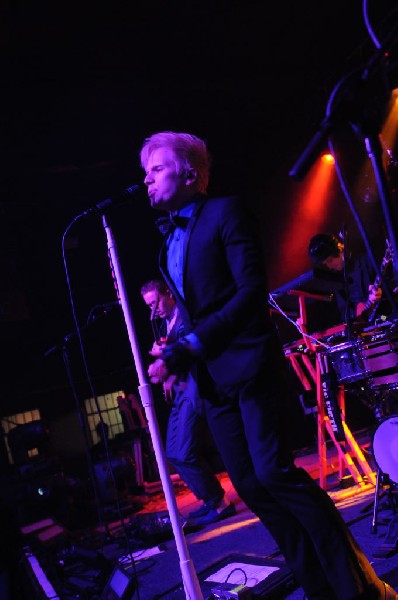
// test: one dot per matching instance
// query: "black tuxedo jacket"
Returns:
(225, 291)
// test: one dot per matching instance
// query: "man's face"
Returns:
(334, 263)
(167, 189)
(161, 305)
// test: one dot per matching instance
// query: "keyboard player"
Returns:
(359, 297)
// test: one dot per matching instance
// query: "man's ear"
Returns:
(191, 176)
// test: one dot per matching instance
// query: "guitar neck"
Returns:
(376, 284)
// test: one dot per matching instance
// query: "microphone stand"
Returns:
(189, 577)
(374, 151)
(362, 104)
(348, 318)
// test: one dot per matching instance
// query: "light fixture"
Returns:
(327, 158)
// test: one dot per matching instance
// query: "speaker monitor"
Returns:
(120, 586)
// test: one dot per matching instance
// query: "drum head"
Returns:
(347, 362)
(385, 447)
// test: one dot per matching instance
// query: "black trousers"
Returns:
(247, 423)
(187, 432)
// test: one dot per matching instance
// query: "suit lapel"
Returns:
(191, 225)
(163, 259)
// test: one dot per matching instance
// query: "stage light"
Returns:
(309, 207)
(327, 158)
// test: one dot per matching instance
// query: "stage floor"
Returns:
(160, 575)
(156, 570)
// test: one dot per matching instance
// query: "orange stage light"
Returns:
(328, 158)
(307, 214)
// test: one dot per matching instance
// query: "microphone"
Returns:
(127, 194)
(100, 310)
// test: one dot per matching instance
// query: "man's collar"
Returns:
(187, 209)
(178, 218)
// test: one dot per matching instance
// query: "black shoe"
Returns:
(214, 515)
(214, 503)
(389, 592)
(378, 591)
(200, 512)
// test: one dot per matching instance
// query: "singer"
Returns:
(213, 264)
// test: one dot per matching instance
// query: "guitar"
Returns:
(158, 373)
(157, 370)
(367, 310)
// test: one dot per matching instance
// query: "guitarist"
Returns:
(187, 431)
(360, 296)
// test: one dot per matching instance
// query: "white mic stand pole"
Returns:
(189, 577)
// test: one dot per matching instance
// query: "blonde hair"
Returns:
(191, 153)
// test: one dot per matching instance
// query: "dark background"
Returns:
(82, 85)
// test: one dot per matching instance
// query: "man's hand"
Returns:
(157, 371)
(156, 349)
(363, 309)
(177, 357)
(375, 294)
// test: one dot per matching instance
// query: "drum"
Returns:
(347, 362)
(379, 352)
(385, 447)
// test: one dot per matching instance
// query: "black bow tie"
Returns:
(167, 225)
